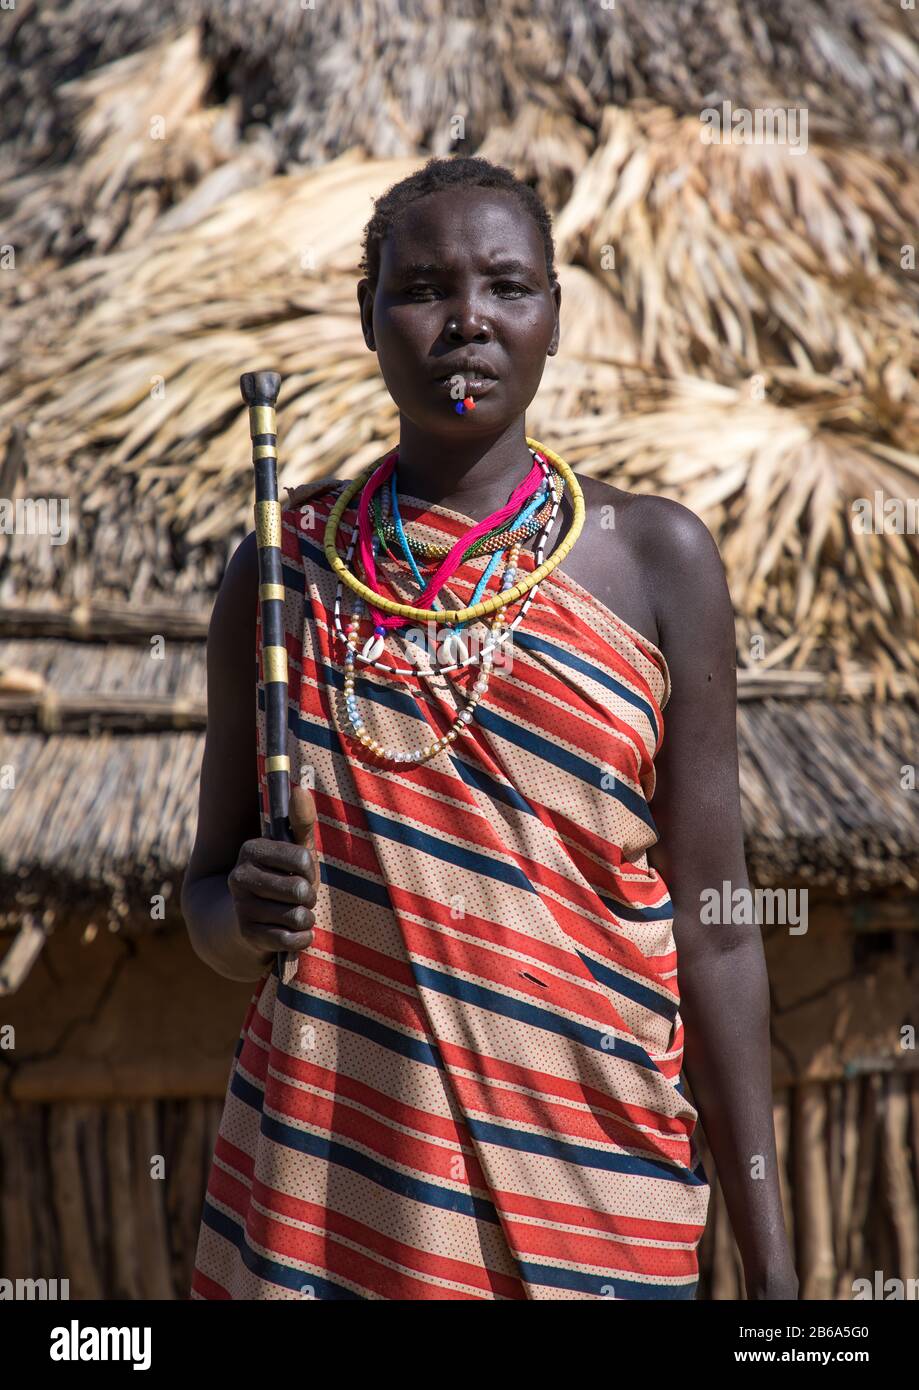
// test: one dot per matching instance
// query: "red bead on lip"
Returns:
(469, 403)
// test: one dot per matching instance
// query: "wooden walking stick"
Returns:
(260, 393)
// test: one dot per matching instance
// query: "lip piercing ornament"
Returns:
(464, 405)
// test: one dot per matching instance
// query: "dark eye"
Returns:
(418, 291)
(510, 290)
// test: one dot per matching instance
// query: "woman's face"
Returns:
(463, 294)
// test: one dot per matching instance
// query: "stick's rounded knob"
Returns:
(260, 388)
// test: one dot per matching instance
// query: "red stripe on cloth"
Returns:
(208, 1288)
(351, 1267)
(536, 1080)
(517, 1108)
(538, 1242)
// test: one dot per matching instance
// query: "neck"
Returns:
(475, 475)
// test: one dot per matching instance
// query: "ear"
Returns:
(552, 349)
(365, 300)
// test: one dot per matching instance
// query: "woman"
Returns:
(467, 1082)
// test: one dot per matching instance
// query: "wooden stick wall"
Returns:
(80, 1197)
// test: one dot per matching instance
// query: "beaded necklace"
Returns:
(401, 611)
(452, 654)
(386, 529)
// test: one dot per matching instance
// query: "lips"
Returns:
(475, 383)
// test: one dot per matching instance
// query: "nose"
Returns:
(467, 325)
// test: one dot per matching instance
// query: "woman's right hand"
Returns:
(273, 885)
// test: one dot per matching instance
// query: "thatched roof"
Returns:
(47, 43)
(737, 332)
(394, 78)
(390, 74)
(144, 147)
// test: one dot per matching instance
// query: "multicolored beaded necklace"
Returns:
(532, 504)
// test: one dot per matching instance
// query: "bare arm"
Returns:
(242, 897)
(721, 966)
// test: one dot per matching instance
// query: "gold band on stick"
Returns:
(280, 763)
(275, 663)
(263, 419)
(269, 591)
(264, 451)
(268, 523)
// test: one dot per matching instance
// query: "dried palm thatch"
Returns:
(373, 75)
(111, 371)
(776, 486)
(130, 370)
(144, 141)
(375, 72)
(48, 43)
(687, 54)
(732, 258)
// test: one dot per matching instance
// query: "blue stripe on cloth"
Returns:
(448, 853)
(663, 1004)
(532, 1014)
(333, 1151)
(340, 1016)
(294, 578)
(573, 763)
(368, 890)
(530, 641)
(263, 1268)
(522, 1141)
(603, 1285)
(482, 781)
(393, 695)
(638, 912)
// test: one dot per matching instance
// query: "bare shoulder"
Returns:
(599, 492)
(672, 535)
(686, 579)
(637, 514)
(679, 565)
(658, 530)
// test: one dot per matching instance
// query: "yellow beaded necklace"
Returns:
(453, 615)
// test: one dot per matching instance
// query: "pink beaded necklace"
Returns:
(521, 494)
